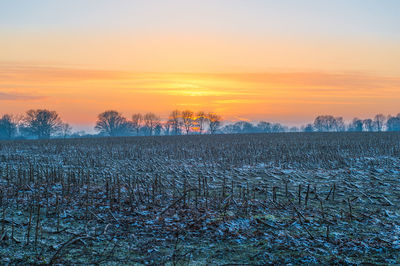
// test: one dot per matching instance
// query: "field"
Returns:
(304, 198)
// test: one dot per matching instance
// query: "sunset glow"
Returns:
(238, 60)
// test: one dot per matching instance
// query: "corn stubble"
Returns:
(280, 198)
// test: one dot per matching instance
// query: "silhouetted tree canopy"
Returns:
(356, 125)
(393, 123)
(66, 130)
(201, 120)
(328, 123)
(42, 123)
(136, 123)
(151, 121)
(174, 119)
(379, 121)
(112, 123)
(368, 125)
(263, 126)
(214, 122)
(7, 127)
(188, 120)
(308, 128)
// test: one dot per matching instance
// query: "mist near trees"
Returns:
(45, 124)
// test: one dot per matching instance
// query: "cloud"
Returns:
(6, 96)
(269, 94)
(16, 72)
(238, 101)
(313, 80)
(190, 92)
(198, 83)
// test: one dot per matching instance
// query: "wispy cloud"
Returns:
(321, 81)
(190, 92)
(53, 74)
(6, 96)
(230, 94)
(313, 80)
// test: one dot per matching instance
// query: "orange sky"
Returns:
(289, 97)
(280, 61)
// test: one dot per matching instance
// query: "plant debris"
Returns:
(238, 199)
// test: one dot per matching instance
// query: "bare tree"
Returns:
(319, 123)
(19, 121)
(112, 123)
(167, 127)
(158, 129)
(379, 121)
(201, 120)
(263, 126)
(188, 119)
(325, 123)
(393, 123)
(214, 122)
(356, 125)
(368, 125)
(151, 121)
(8, 127)
(42, 123)
(66, 130)
(339, 124)
(175, 119)
(137, 120)
(276, 127)
(308, 128)
(243, 127)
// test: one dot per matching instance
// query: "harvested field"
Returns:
(302, 198)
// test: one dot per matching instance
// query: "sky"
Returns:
(281, 61)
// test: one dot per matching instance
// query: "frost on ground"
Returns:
(256, 199)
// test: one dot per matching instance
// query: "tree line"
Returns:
(113, 123)
(40, 124)
(43, 124)
(329, 123)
